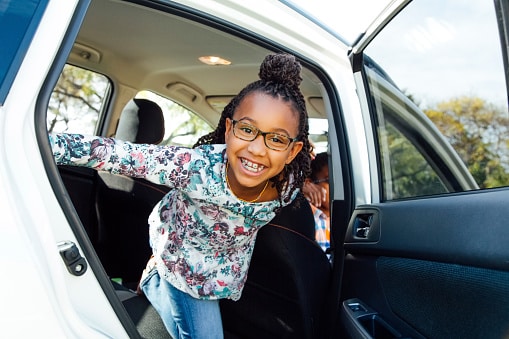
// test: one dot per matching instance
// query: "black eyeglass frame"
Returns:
(264, 135)
(321, 180)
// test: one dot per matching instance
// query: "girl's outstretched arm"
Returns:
(159, 164)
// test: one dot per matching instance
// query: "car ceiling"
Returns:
(142, 48)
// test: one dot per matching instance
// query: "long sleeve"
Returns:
(166, 165)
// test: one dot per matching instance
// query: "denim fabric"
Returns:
(183, 315)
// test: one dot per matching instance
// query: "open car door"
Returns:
(428, 255)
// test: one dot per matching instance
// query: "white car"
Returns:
(411, 108)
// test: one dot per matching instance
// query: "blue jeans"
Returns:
(183, 315)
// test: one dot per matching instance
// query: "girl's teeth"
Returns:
(251, 166)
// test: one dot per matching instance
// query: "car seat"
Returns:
(141, 122)
(124, 203)
(287, 283)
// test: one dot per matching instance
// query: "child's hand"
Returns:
(315, 194)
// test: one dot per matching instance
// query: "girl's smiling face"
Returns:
(251, 163)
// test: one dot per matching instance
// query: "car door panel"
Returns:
(426, 256)
(431, 272)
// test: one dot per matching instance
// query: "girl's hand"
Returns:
(315, 194)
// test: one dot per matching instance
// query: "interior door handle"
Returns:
(362, 224)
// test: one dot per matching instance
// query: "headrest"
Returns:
(141, 122)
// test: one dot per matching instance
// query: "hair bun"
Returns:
(281, 68)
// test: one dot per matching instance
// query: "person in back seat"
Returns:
(316, 190)
(225, 189)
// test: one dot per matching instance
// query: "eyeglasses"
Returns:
(274, 141)
(321, 180)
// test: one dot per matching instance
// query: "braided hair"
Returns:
(280, 78)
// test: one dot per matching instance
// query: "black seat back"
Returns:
(288, 280)
(141, 122)
(123, 207)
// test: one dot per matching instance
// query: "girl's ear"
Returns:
(296, 148)
(228, 128)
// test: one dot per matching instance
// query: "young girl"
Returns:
(226, 188)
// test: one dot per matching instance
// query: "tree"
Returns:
(478, 132)
(409, 174)
(76, 100)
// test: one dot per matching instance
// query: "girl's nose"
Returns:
(257, 146)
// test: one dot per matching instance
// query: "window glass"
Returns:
(440, 100)
(18, 21)
(408, 173)
(77, 101)
(181, 126)
(318, 134)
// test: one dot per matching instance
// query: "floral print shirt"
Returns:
(202, 236)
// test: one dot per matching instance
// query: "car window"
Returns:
(77, 101)
(18, 21)
(439, 99)
(181, 126)
(318, 134)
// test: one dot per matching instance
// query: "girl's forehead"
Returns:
(268, 113)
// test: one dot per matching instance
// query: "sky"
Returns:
(450, 50)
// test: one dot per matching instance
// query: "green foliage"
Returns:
(479, 132)
(410, 175)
